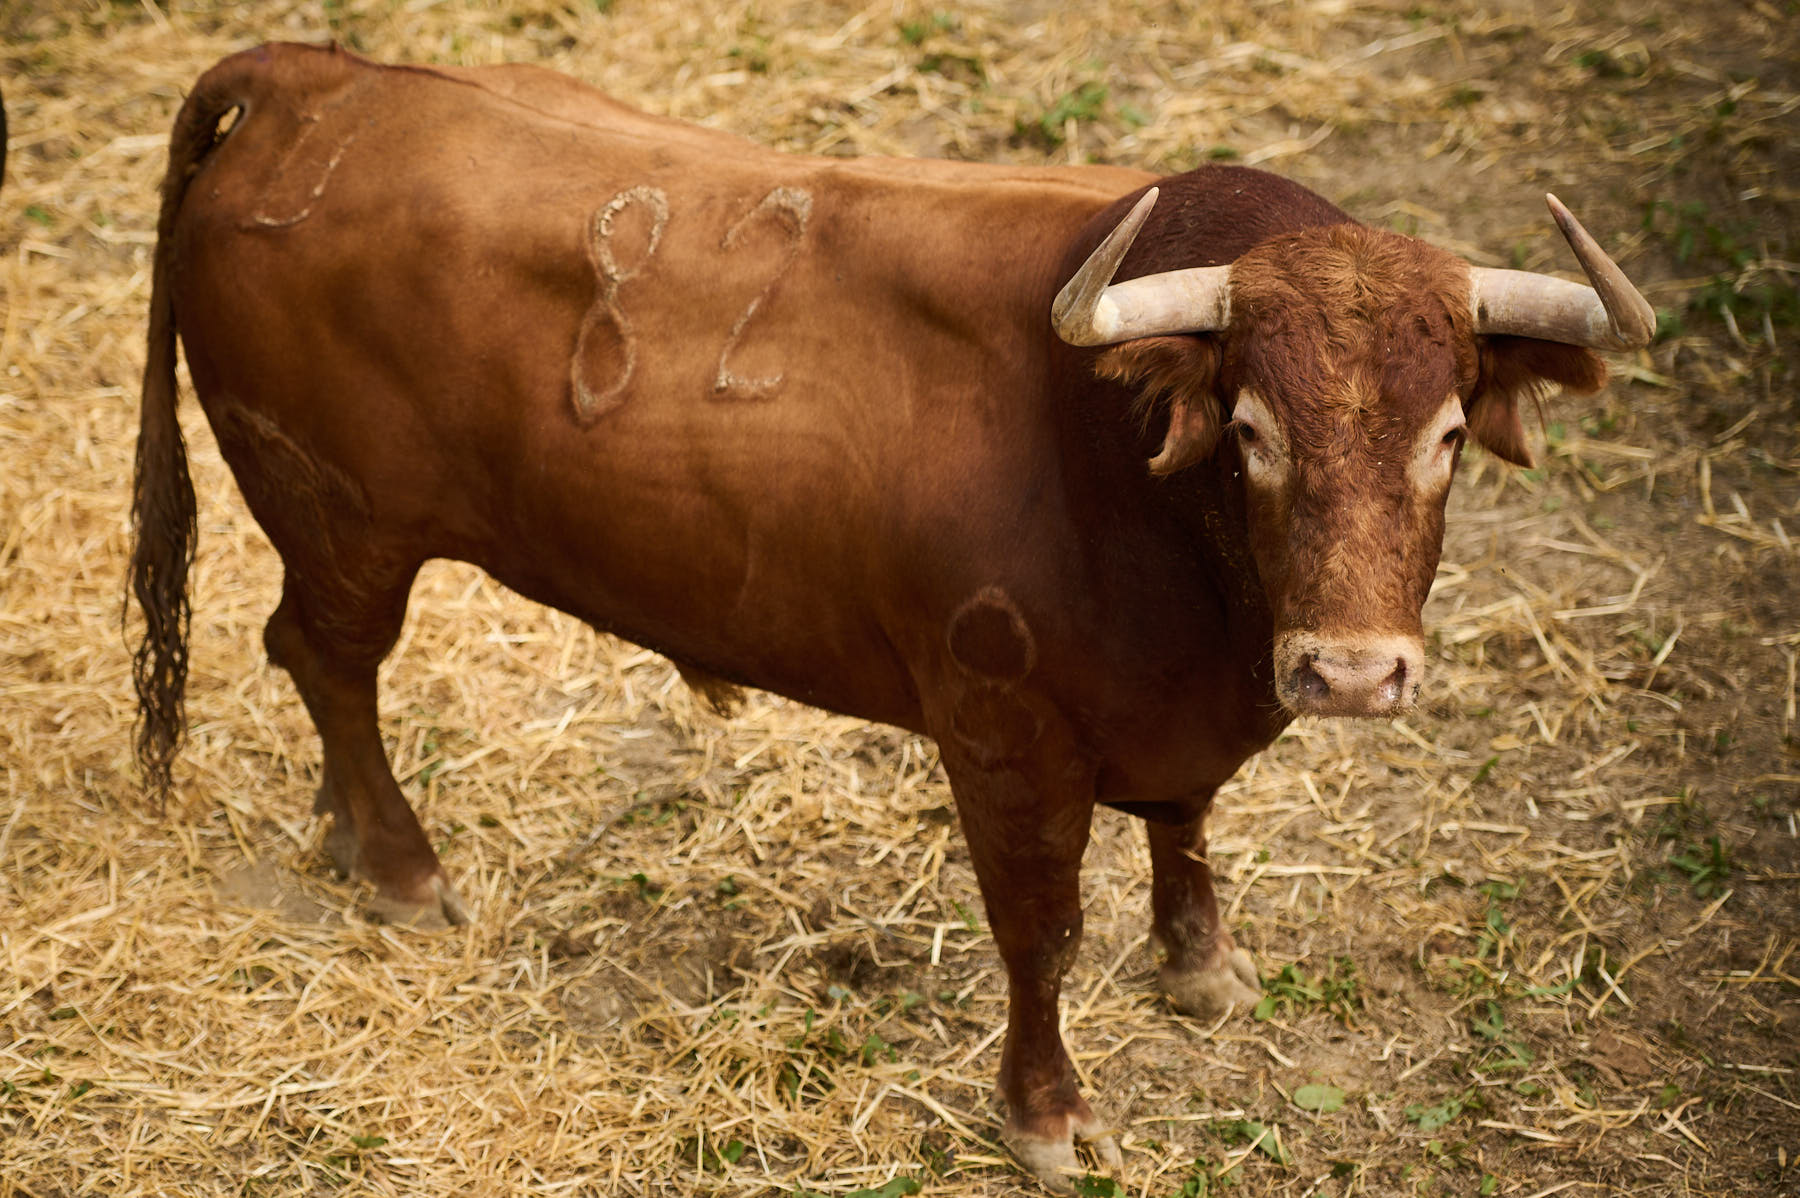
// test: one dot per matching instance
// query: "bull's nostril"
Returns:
(1393, 686)
(1310, 685)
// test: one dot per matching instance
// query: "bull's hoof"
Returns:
(1053, 1161)
(433, 908)
(1227, 981)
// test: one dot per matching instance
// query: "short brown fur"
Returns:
(933, 514)
(1356, 337)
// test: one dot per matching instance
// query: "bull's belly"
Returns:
(832, 656)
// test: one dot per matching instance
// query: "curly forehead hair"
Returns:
(1345, 315)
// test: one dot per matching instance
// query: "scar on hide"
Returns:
(605, 317)
(286, 471)
(791, 207)
(994, 724)
(308, 504)
(304, 169)
(988, 636)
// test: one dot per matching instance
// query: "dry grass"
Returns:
(747, 956)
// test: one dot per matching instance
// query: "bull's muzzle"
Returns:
(1348, 676)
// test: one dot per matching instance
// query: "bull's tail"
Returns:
(162, 502)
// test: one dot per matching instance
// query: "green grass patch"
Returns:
(1338, 991)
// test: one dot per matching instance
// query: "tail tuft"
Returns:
(162, 502)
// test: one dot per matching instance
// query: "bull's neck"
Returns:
(1186, 531)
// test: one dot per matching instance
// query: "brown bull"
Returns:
(806, 424)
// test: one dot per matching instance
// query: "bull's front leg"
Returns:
(1204, 973)
(1026, 819)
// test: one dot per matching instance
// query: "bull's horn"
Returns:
(1093, 310)
(1609, 315)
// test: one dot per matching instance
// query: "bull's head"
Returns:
(1348, 364)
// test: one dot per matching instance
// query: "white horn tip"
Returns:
(1076, 307)
(1632, 318)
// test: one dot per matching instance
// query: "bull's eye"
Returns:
(1260, 441)
(1454, 437)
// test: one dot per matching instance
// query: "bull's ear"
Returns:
(1174, 376)
(1516, 368)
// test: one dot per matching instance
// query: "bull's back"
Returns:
(704, 395)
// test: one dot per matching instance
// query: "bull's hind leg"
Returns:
(1205, 974)
(330, 640)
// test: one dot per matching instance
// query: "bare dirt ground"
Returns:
(1538, 937)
